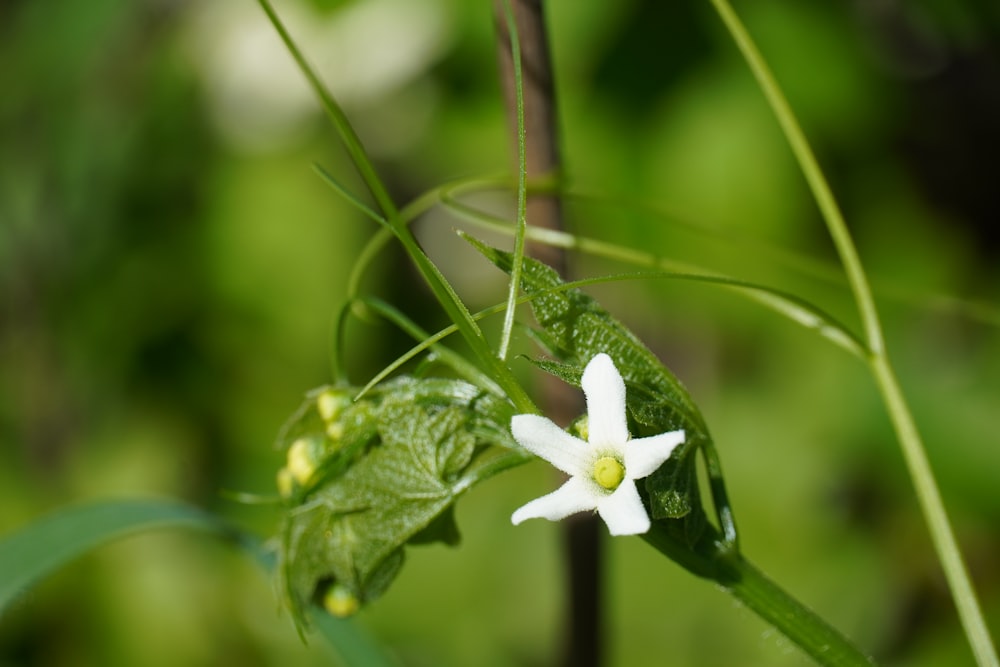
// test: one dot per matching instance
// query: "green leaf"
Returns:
(38, 549)
(574, 328)
(387, 475)
(351, 642)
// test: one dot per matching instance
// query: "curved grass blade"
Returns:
(439, 285)
(39, 548)
(347, 195)
(456, 361)
(336, 115)
(914, 453)
(826, 272)
(794, 308)
(522, 184)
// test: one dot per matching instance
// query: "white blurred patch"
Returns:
(363, 52)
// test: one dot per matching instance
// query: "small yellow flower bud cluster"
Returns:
(306, 453)
(330, 404)
(302, 459)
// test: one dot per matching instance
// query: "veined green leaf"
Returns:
(386, 473)
(574, 328)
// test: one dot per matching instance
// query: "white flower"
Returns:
(603, 469)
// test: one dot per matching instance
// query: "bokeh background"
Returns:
(170, 266)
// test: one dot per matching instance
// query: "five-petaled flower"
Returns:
(603, 469)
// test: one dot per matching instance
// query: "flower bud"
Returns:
(331, 403)
(340, 601)
(303, 458)
(286, 483)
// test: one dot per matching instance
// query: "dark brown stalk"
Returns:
(583, 642)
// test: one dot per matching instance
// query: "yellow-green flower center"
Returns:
(609, 472)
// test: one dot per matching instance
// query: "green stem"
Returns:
(462, 318)
(457, 362)
(443, 291)
(336, 115)
(930, 501)
(796, 621)
(813, 174)
(714, 559)
(522, 183)
(912, 447)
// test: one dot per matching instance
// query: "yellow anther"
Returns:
(609, 472)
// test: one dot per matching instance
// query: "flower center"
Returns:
(609, 472)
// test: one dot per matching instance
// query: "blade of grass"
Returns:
(40, 548)
(48, 543)
(439, 285)
(522, 184)
(792, 307)
(821, 270)
(336, 115)
(809, 313)
(814, 175)
(346, 194)
(456, 361)
(928, 495)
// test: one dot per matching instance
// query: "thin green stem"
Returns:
(796, 309)
(522, 185)
(814, 175)
(714, 559)
(457, 362)
(912, 447)
(459, 314)
(825, 644)
(337, 116)
(439, 285)
(932, 505)
(348, 195)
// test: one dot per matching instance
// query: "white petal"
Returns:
(605, 392)
(576, 495)
(542, 437)
(644, 455)
(623, 511)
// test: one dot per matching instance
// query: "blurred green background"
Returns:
(170, 267)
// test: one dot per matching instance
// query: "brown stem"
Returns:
(582, 538)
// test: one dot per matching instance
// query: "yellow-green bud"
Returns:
(609, 472)
(340, 602)
(335, 431)
(302, 459)
(331, 403)
(286, 483)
